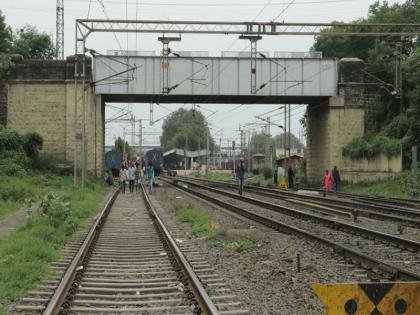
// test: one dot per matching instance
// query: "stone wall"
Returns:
(46, 104)
(3, 102)
(375, 168)
(330, 127)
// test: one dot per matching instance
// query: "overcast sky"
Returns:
(226, 119)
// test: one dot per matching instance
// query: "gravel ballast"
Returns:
(265, 277)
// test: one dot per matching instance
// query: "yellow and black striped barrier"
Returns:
(381, 298)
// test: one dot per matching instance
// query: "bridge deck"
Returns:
(216, 79)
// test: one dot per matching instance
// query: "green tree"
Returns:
(5, 44)
(378, 53)
(259, 142)
(5, 35)
(123, 147)
(186, 129)
(294, 141)
(32, 44)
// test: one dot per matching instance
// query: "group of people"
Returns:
(132, 173)
(331, 180)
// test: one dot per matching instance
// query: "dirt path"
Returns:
(13, 221)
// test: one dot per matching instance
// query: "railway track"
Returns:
(129, 263)
(385, 255)
(398, 202)
(394, 213)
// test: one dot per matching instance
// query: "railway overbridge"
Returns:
(41, 96)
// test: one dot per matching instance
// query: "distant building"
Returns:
(285, 162)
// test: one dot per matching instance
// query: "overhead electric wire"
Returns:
(224, 4)
(284, 10)
(88, 13)
(101, 4)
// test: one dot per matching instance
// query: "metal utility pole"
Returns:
(59, 28)
(267, 144)
(185, 154)
(398, 73)
(414, 163)
(207, 153)
(140, 135)
(285, 136)
(290, 134)
(249, 151)
(220, 153)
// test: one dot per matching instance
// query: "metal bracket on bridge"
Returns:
(253, 39)
(372, 298)
(165, 61)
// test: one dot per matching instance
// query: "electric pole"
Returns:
(59, 28)
(398, 73)
(290, 134)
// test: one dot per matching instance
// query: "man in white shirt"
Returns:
(131, 176)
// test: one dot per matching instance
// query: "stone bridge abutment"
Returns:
(333, 124)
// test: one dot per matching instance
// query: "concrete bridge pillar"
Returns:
(333, 124)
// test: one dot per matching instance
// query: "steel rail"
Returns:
(410, 244)
(376, 199)
(58, 299)
(205, 302)
(365, 260)
(410, 216)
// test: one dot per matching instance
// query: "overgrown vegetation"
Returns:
(267, 172)
(202, 224)
(25, 254)
(28, 178)
(371, 146)
(18, 153)
(397, 128)
(399, 186)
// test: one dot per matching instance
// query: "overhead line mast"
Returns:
(59, 27)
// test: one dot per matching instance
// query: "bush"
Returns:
(14, 163)
(32, 143)
(369, 147)
(267, 172)
(57, 212)
(15, 191)
(10, 140)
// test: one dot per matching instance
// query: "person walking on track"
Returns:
(290, 177)
(131, 176)
(327, 181)
(240, 175)
(137, 177)
(336, 178)
(123, 178)
(150, 175)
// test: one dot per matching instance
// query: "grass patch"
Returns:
(204, 225)
(25, 254)
(7, 207)
(398, 186)
(239, 246)
(218, 176)
(18, 192)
